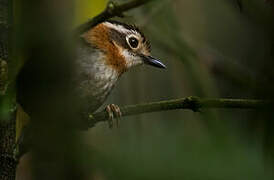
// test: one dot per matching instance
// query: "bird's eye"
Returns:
(133, 42)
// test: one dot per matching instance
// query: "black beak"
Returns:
(153, 62)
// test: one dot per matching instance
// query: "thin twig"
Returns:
(111, 10)
(190, 103)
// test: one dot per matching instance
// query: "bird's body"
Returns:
(103, 54)
(93, 79)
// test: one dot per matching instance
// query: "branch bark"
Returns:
(190, 103)
(8, 161)
(111, 10)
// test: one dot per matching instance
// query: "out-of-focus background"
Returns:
(213, 48)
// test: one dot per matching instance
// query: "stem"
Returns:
(190, 103)
(111, 10)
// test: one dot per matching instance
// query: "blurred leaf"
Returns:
(86, 9)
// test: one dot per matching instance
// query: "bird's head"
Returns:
(124, 46)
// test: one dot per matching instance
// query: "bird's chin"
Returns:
(134, 63)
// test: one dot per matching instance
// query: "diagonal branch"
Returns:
(190, 103)
(112, 10)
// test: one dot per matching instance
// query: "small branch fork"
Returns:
(112, 10)
(190, 103)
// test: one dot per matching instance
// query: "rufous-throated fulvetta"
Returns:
(103, 54)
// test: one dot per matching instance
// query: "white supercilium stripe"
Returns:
(119, 28)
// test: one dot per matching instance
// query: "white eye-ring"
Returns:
(133, 41)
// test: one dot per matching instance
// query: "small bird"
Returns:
(103, 55)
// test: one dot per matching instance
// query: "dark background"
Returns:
(213, 48)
